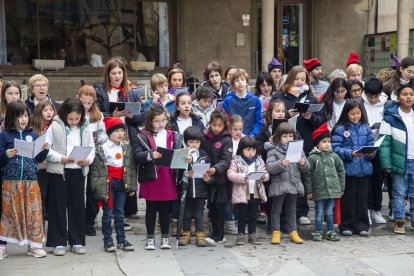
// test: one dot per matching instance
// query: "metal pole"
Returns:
(403, 28)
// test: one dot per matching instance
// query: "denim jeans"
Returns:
(119, 196)
(401, 186)
(324, 206)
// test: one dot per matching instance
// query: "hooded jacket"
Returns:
(204, 114)
(169, 105)
(31, 105)
(375, 112)
(249, 108)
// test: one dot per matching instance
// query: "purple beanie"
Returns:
(273, 64)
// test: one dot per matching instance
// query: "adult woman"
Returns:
(176, 79)
(213, 77)
(39, 89)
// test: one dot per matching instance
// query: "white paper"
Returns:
(30, 149)
(292, 121)
(255, 175)
(379, 141)
(315, 107)
(294, 151)
(200, 169)
(133, 107)
(38, 144)
(80, 153)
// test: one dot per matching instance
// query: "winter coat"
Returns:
(31, 105)
(133, 95)
(303, 126)
(319, 87)
(196, 121)
(19, 167)
(284, 180)
(220, 150)
(204, 114)
(345, 142)
(156, 182)
(99, 172)
(393, 150)
(261, 138)
(236, 174)
(249, 108)
(326, 177)
(169, 106)
(224, 91)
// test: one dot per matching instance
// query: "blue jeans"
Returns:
(401, 186)
(119, 196)
(324, 206)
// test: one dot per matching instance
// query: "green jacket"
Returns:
(326, 177)
(99, 172)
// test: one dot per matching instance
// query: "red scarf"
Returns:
(114, 172)
(121, 88)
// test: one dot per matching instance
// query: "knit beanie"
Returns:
(353, 58)
(311, 64)
(274, 64)
(112, 124)
(320, 133)
(395, 63)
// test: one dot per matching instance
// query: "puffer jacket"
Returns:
(284, 180)
(236, 174)
(204, 114)
(224, 91)
(344, 142)
(393, 150)
(99, 172)
(326, 177)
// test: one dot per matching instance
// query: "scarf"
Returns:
(120, 88)
(284, 147)
(247, 160)
(404, 82)
(296, 91)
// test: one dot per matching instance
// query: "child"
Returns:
(244, 104)
(396, 153)
(334, 100)
(197, 191)
(213, 77)
(21, 220)
(10, 92)
(183, 117)
(67, 194)
(285, 182)
(264, 90)
(355, 89)
(87, 95)
(349, 135)
(203, 106)
(374, 102)
(113, 178)
(217, 143)
(247, 194)
(403, 77)
(42, 118)
(324, 182)
(160, 95)
(157, 183)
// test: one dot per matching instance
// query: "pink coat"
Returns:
(236, 174)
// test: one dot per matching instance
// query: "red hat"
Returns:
(321, 133)
(353, 58)
(112, 124)
(311, 64)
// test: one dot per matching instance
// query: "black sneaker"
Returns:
(125, 245)
(109, 246)
(90, 231)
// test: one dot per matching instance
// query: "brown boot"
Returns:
(399, 226)
(253, 239)
(185, 238)
(193, 231)
(200, 239)
(240, 239)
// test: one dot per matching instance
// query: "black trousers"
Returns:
(91, 209)
(375, 189)
(131, 205)
(43, 180)
(66, 194)
(218, 216)
(163, 210)
(354, 204)
(194, 208)
(247, 215)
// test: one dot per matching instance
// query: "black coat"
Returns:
(262, 137)
(195, 119)
(30, 104)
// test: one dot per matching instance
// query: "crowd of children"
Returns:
(243, 137)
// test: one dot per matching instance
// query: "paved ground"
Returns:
(382, 253)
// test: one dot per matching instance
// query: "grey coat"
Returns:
(284, 180)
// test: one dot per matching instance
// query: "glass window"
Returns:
(79, 30)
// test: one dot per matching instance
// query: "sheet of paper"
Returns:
(315, 107)
(255, 175)
(379, 141)
(200, 169)
(294, 151)
(24, 148)
(292, 121)
(38, 144)
(80, 153)
(178, 160)
(134, 107)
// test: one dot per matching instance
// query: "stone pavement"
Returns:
(382, 253)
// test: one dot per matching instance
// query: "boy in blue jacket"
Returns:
(244, 103)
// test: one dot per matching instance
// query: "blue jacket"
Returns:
(19, 167)
(249, 108)
(358, 136)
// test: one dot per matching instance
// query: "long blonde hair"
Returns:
(94, 113)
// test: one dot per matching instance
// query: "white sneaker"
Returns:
(36, 252)
(210, 241)
(304, 221)
(369, 216)
(3, 252)
(391, 217)
(377, 217)
(150, 245)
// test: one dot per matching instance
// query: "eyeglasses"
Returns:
(340, 92)
(159, 123)
(40, 85)
(358, 90)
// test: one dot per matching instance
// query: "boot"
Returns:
(294, 237)
(253, 239)
(399, 226)
(231, 227)
(276, 237)
(201, 239)
(185, 238)
(240, 239)
(193, 231)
